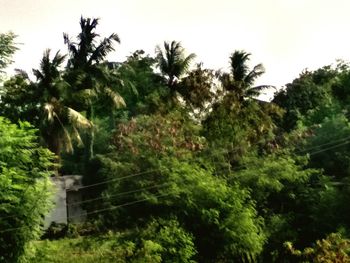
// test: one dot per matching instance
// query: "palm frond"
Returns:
(105, 46)
(88, 24)
(131, 86)
(257, 71)
(71, 45)
(78, 120)
(49, 112)
(66, 141)
(116, 99)
(22, 73)
(257, 90)
(172, 61)
(238, 63)
(38, 74)
(58, 59)
(75, 135)
(162, 61)
(186, 63)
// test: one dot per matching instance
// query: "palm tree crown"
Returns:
(88, 74)
(86, 52)
(60, 124)
(241, 79)
(172, 61)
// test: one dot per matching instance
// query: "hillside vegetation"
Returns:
(180, 163)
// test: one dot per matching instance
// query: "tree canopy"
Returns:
(180, 163)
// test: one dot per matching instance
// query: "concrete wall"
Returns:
(66, 201)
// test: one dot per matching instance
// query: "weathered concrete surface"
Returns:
(67, 201)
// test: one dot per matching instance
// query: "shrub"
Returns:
(24, 189)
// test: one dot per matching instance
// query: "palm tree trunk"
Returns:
(89, 137)
(111, 120)
(54, 145)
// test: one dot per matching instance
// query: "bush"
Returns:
(25, 189)
(174, 181)
(332, 249)
(159, 241)
(174, 243)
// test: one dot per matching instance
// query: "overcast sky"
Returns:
(287, 36)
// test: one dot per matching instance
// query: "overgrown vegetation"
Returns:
(181, 163)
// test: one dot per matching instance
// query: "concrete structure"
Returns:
(67, 201)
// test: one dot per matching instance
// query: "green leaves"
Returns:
(7, 49)
(221, 217)
(24, 188)
(241, 79)
(172, 62)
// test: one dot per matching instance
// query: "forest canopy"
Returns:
(181, 163)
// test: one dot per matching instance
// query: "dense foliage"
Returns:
(7, 49)
(180, 163)
(25, 188)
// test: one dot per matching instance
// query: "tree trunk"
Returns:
(111, 120)
(89, 137)
(54, 145)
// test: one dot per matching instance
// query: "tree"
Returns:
(19, 99)
(59, 123)
(310, 92)
(281, 188)
(149, 91)
(177, 181)
(238, 120)
(87, 76)
(25, 168)
(44, 104)
(241, 79)
(7, 49)
(199, 91)
(173, 63)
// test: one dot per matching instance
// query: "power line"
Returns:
(99, 210)
(122, 205)
(226, 151)
(119, 194)
(235, 169)
(312, 153)
(146, 172)
(324, 144)
(113, 180)
(157, 186)
(157, 170)
(329, 148)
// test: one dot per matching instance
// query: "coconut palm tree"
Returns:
(172, 62)
(241, 78)
(88, 75)
(59, 123)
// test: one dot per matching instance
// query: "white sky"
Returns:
(287, 36)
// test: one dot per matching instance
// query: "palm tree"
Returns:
(241, 79)
(173, 63)
(59, 124)
(85, 53)
(88, 75)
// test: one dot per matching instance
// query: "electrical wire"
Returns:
(113, 180)
(237, 168)
(324, 144)
(156, 186)
(159, 186)
(157, 170)
(99, 210)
